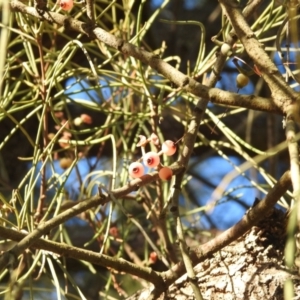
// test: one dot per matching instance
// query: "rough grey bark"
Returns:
(250, 268)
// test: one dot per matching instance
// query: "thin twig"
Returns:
(183, 246)
(90, 10)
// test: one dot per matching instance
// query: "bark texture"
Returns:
(250, 268)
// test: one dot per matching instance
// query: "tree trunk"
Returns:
(250, 268)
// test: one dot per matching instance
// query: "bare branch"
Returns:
(283, 95)
(65, 250)
(90, 10)
(215, 95)
(44, 227)
(254, 215)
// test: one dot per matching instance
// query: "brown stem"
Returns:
(203, 252)
(190, 85)
(283, 95)
(45, 227)
(251, 218)
(90, 10)
(65, 250)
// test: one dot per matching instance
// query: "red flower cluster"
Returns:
(152, 159)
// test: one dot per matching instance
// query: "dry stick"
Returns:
(254, 215)
(191, 85)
